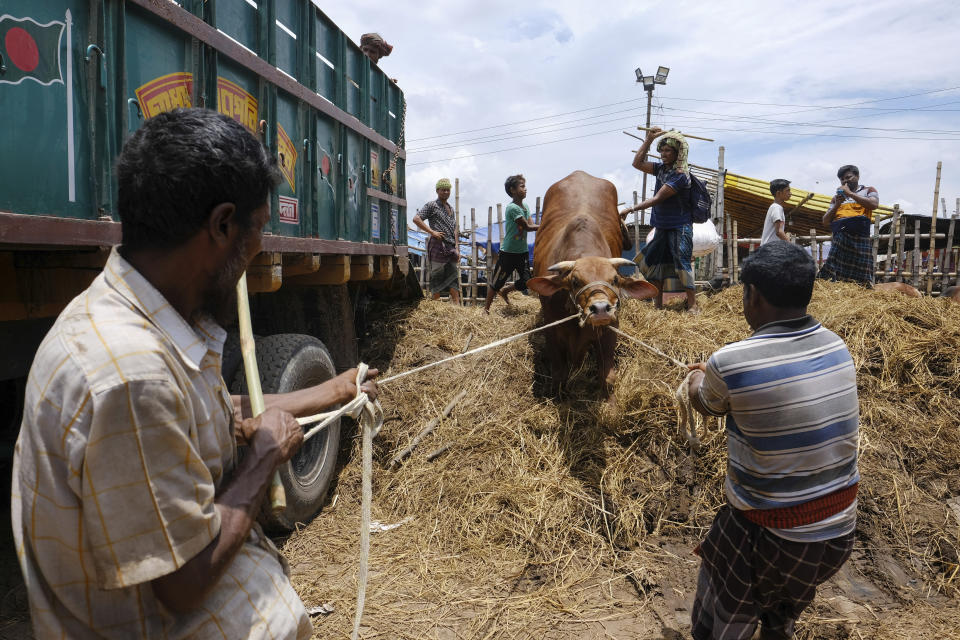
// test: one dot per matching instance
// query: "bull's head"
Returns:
(594, 285)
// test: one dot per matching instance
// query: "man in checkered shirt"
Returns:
(132, 516)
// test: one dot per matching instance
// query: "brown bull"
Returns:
(951, 293)
(575, 258)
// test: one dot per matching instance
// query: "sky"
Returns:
(875, 84)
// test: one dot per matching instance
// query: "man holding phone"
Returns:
(849, 215)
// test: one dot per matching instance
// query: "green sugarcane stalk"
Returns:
(278, 497)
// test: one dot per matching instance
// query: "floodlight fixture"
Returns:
(648, 82)
(661, 77)
(639, 74)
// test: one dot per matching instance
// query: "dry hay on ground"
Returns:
(553, 518)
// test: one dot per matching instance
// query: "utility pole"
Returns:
(648, 84)
(649, 100)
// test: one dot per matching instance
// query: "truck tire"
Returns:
(289, 362)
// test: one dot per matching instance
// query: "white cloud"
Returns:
(464, 65)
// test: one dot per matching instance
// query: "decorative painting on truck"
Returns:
(289, 210)
(174, 90)
(287, 157)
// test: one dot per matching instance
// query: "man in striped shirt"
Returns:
(789, 394)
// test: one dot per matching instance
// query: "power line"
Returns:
(522, 132)
(718, 118)
(784, 133)
(818, 107)
(758, 120)
(510, 124)
(853, 105)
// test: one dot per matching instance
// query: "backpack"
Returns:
(697, 201)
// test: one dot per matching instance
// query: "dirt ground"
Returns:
(562, 518)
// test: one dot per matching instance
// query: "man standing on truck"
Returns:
(441, 243)
(132, 515)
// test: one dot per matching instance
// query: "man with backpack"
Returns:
(667, 260)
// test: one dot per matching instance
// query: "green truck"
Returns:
(78, 76)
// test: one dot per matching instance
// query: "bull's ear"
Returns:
(637, 289)
(545, 285)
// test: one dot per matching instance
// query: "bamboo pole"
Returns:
(636, 225)
(489, 256)
(814, 247)
(278, 497)
(685, 135)
(902, 255)
(721, 178)
(456, 231)
(876, 244)
(933, 229)
(892, 240)
(736, 256)
(948, 252)
(917, 261)
(473, 255)
(500, 224)
(728, 261)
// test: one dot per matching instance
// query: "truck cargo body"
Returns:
(77, 77)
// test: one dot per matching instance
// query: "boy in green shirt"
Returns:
(513, 246)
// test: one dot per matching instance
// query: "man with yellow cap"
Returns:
(441, 243)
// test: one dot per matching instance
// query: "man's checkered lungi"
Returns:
(850, 258)
(750, 576)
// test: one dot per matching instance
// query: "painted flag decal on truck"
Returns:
(31, 51)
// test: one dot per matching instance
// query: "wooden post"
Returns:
(721, 178)
(892, 249)
(902, 255)
(489, 245)
(941, 257)
(933, 231)
(500, 224)
(728, 239)
(948, 252)
(876, 249)
(736, 254)
(814, 247)
(473, 256)
(917, 259)
(456, 240)
(636, 226)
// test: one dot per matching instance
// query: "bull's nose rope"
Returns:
(649, 347)
(493, 344)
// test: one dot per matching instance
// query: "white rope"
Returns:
(650, 347)
(370, 423)
(496, 343)
(687, 419)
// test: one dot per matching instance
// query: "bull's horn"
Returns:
(622, 262)
(566, 265)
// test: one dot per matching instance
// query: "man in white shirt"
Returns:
(774, 222)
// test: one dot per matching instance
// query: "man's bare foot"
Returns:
(694, 310)
(503, 294)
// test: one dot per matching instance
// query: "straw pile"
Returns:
(551, 518)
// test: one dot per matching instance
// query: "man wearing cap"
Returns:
(442, 243)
